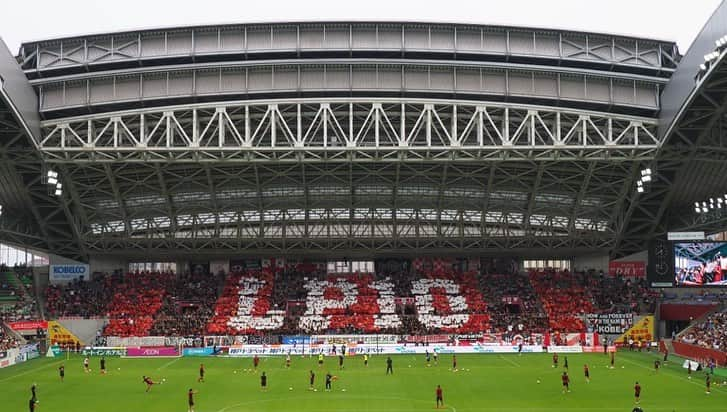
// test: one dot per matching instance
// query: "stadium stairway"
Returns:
(84, 329)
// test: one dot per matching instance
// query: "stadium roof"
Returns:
(346, 139)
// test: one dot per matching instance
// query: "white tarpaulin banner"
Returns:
(386, 349)
(565, 349)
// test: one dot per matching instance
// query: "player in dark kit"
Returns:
(566, 382)
(657, 364)
(263, 382)
(389, 369)
(429, 358)
(587, 373)
(62, 372)
(555, 360)
(689, 369)
(340, 361)
(454, 363)
(32, 404)
(190, 399)
(520, 349)
(201, 373)
(666, 354)
(708, 382)
(637, 392)
(440, 399)
(103, 365)
(149, 383)
(565, 362)
(32, 391)
(312, 380)
(329, 378)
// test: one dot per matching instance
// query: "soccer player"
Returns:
(329, 378)
(320, 359)
(613, 359)
(340, 361)
(287, 361)
(637, 392)
(85, 366)
(520, 348)
(454, 363)
(429, 358)
(263, 382)
(32, 390)
(389, 368)
(566, 382)
(149, 383)
(440, 399)
(689, 369)
(565, 362)
(312, 380)
(555, 360)
(201, 373)
(103, 365)
(366, 359)
(436, 357)
(62, 372)
(666, 354)
(708, 382)
(587, 373)
(32, 404)
(255, 362)
(190, 399)
(657, 364)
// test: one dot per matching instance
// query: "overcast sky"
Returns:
(678, 20)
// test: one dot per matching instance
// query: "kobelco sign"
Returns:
(66, 273)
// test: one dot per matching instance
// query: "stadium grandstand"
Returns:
(384, 187)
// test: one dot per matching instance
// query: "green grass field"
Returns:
(484, 383)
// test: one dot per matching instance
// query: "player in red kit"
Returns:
(255, 362)
(555, 360)
(190, 399)
(440, 399)
(566, 382)
(637, 392)
(149, 383)
(587, 373)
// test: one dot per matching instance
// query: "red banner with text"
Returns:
(28, 325)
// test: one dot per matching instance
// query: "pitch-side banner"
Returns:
(386, 349)
(565, 349)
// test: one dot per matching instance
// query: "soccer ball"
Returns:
(235, 372)
(410, 366)
(290, 389)
(164, 380)
(118, 369)
(343, 390)
(315, 390)
(538, 381)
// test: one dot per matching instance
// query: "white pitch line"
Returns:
(168, 364)
(510, 361)
(31, 371)
(674, 374)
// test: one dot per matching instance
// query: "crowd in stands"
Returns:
(710, 333)
(513, 304)
(81, 298)
(187, 307)
(135, 302)
(288, 300)
(245, 306)
(565, 298)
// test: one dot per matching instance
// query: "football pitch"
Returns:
(484, 382)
